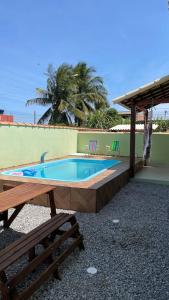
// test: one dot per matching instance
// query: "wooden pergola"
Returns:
(142, 99)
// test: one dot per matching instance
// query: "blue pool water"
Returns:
(70, 169)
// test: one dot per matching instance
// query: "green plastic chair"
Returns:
(114, 147)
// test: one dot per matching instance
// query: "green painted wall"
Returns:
(159, 149)
(23, 144)
(106, 138)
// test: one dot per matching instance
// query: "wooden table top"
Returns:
(21, 194)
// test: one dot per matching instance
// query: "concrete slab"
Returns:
(154, 174)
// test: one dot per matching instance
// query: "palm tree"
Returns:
(60, 87)
(90, 94)
(71, 94)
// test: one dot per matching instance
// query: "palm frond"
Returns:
(42, 92)
(89, 106)
(45, 116)
(63, 105)
(39, 101)
(97, 80)
(78, 113)
(86, 108)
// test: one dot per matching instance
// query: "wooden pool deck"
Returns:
(86, 196)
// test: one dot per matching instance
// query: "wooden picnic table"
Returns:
(18, 196)
(50, 234)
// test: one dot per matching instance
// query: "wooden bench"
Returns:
(49, 234)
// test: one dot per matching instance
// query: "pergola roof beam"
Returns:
(149, 95)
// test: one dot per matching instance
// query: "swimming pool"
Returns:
(70, 169)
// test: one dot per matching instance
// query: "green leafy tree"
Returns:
(163, 125)
(60, 86)
(103, 119)
(71, 94)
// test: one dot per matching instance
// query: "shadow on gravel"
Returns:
(8, 236)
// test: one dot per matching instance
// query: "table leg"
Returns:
(9, 220)
(52, 203)
(5, 217)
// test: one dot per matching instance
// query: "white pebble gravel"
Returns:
(132, 258)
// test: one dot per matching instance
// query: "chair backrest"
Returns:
(93, 145)
(115, 146)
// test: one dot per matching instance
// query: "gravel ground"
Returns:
(131, 257)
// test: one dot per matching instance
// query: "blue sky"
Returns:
(126, 41)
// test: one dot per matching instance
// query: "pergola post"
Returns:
(145, 135)
(132, 139)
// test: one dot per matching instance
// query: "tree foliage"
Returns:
(103, 119)
(163, 125)
(71, 94)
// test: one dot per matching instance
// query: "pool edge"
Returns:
(90, 197)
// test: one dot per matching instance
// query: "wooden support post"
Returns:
(132, 140)
(145, 135)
